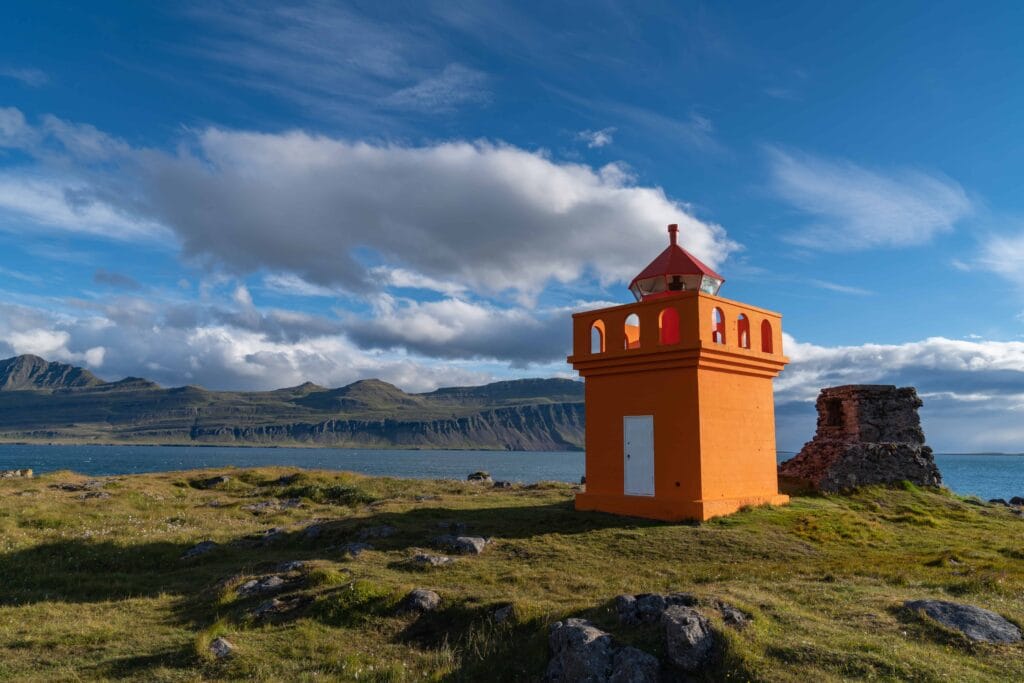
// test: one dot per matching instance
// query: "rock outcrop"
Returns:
(976, 623)
(582, 652)
(867, 434)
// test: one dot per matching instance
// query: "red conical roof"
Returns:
(674, 261)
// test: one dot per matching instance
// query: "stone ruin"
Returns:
(867, 434)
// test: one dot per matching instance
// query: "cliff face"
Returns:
(56, 403)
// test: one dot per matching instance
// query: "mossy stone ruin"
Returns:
(867, 434)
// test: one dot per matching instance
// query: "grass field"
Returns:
(92, 585)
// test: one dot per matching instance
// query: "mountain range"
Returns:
(50, 402)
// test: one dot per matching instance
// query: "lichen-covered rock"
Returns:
(222, 648)
(867, 434)
(200, 549)
(689, 639)
(464, 545)
(646, 608)
(581, 652)
(974, 622)
(420, 600)
(425, 560)
(732, 616)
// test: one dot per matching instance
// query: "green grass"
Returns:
(94, 588)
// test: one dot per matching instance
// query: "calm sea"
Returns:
(983, 475)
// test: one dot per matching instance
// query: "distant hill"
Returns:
(49, 402)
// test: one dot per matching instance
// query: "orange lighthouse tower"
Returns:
(680, 417)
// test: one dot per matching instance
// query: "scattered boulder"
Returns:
(211, 482)
(867, 434)
(277, 606)
(16, 474)
(353, 550)
(428, 560)
(382, 531)
(503, 614)
(582, 652)
(974, 622)
(732, 616)
(222, 648)
(464, 545)
(646, 608)
(1017, 500)
(420, 600)
(200, 549)
(291, 566)
(480, 477)
(270, 584)
(502, 484)
(689, 640)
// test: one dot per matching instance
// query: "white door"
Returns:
(638, 454)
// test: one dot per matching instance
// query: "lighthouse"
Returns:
(680, 416)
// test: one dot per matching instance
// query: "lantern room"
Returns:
(680, 416)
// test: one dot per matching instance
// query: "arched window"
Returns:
(597, 337)
(766, 336)
(668, 326)
(717, 326)
(743, 331)
(632, 330)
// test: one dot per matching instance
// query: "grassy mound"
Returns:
(92, 585)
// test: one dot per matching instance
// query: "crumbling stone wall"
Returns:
(867, 434)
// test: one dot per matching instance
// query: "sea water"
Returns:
(983, 475)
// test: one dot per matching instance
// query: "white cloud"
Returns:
(596, 138)
(487, 216)
(34, 78)
(1004, 255)
(853, 208)
(454, 86)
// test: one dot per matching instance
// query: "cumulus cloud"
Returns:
(972, 389)
(596, 138)
(854, 208)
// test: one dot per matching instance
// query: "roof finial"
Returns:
(673, 230)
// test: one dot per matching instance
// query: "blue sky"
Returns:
(247, 196)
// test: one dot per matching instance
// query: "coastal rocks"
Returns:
(647, 608)
(16, 474)
(689, 640)
(866, 434)
(480, 477)
(200, 549)
(977, 624)
(222, 648)
(420, 600)
(502, 485)
(464, 545)
(582, 652)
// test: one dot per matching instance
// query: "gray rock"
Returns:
(420, 600)
(313, 532)
(277, 606)
(975, 623)
(867, 434)
(291, 566)
(354, 550)
(689, 640)
(998, 501)
(732, 616)
(89, 495)
(456, 528)
(200, 549)
(464, 545)
(480, 477)
(270, 584)
(630, 665)
(428, 560)
(503, 614)
(222, 648)
(1017, 500)
(382, 531)
(14, 474)
(646, 608)
(580, 652)
(211, 482)
(502, 484)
